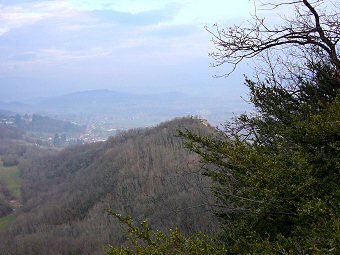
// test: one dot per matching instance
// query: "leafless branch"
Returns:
(309, 28)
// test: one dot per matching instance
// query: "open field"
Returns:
(11, 176)
(6, 221)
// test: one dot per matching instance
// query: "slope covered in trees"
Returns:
(8, 132)
(5, 208)
(143, 172)
(15, 148)
(44, 124)
(275, 172)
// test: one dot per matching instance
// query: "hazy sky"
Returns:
(132, 45)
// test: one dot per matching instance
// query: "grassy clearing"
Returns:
(11, 176)
(6, 221)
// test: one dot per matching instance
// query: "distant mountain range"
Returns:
(131, 110)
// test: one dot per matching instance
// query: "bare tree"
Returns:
(312, 28)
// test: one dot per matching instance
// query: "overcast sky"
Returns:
(145, 46)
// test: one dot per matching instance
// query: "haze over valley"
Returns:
(116, 65)
(169, 127)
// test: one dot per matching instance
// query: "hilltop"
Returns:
(142, 172)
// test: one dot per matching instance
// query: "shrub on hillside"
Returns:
(10, 160)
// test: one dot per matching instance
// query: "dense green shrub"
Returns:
(10, 160)
(145, 241)
(5, 209)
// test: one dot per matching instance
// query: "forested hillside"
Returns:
(8, 132)
(144, 172)
(275, 172)
(15, 148)
(44, 124)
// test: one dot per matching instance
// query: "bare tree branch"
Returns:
(309, 28)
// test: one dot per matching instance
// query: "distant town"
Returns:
(51, 132)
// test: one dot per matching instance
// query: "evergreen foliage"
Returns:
(9, 160)
(275, 176)
(145, 241)
(5, 209)
(276, 173)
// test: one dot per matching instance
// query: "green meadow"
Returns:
(10, 176)
(6, 221)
